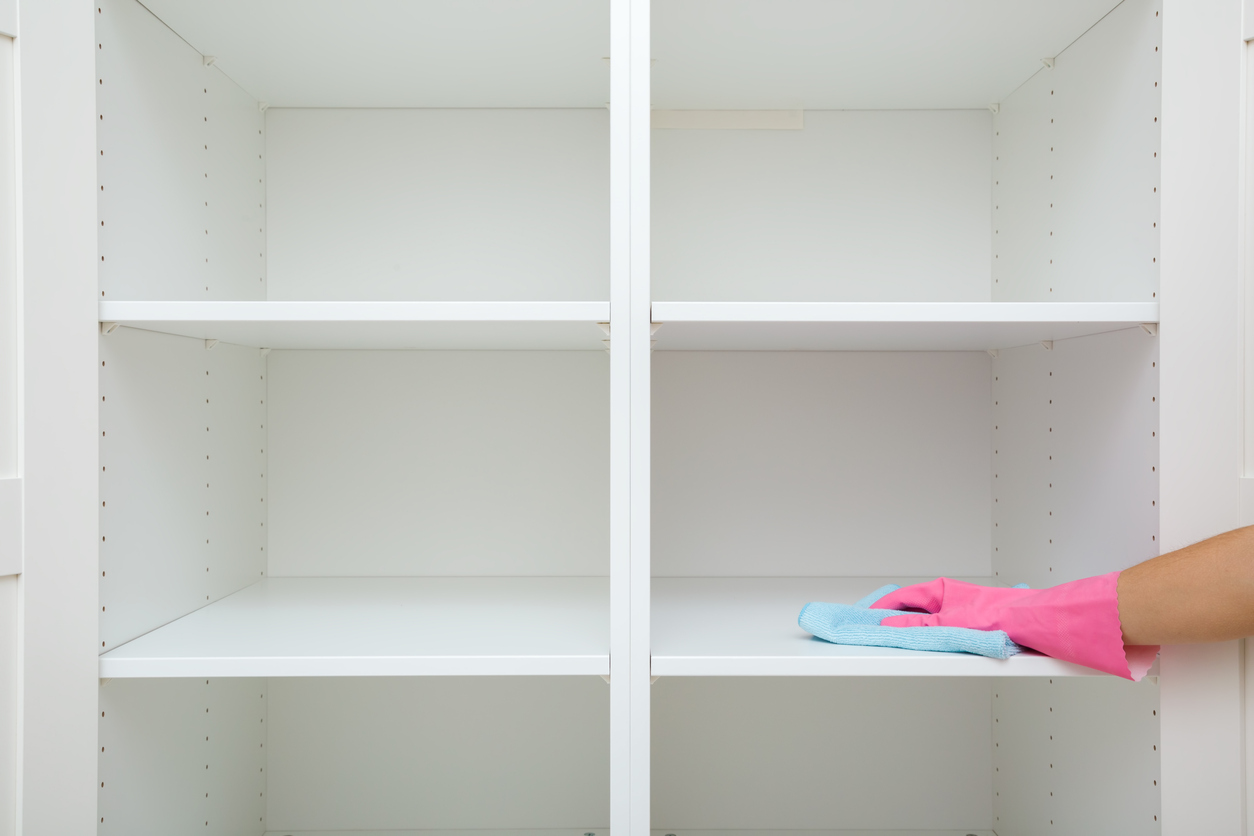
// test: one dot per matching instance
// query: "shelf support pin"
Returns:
(1150, 328)
(209, 59)
(606, 677)
(1048, 62)
(209, 344)
(654, 679)
(994, 352)
(264, 351)
(110, 327)
(995, 107)
(1048, 345)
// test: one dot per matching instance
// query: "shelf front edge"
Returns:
(955, 665)
(351, 311)
(284, 666)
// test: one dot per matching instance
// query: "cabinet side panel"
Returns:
(179, 195)
(438, 204)
(439, 463)
(182, 477)
(1076, 169)
(857, 206)
(821, 463)
(1075, 457)
(236, 473)
(1021, 194)
(821, 753)
(1076, 755)
(235, 237)
(182, 756)
(438, 753)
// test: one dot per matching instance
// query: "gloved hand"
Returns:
(859, 625)
(1076, 621)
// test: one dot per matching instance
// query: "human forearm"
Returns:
(1201, 593)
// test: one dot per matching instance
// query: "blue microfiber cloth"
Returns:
(860, 625)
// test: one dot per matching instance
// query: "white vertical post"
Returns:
(620, 419)
(1200, 380)
(57, 149)
(640, 327)
(10, 400)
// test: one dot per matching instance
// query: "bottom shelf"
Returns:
(748, 627)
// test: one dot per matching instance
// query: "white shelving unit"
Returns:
(431, 418)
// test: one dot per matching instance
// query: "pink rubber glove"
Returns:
(1076, 622)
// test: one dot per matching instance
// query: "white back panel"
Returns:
(182, 477)
(1075, 169)
(820, 463)
(810, 753)
(1076, 755)
(182, 756)
(439, 463)
(181, 192)
(1075, 458)
(438, 752)
(457, 205)
(858, 206)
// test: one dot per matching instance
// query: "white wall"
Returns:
(181, 187)
(821, 753)
(436, 753)
(821, 463)
(1075, 169)
(438, 204)
(858, 206)
(439, 463)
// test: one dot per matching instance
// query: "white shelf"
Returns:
(885, 326)
(378, 325)
(383, 627)
(748, 627)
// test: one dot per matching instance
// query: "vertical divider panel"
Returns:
(1202, 719)
(634, 17)
(623, 737)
